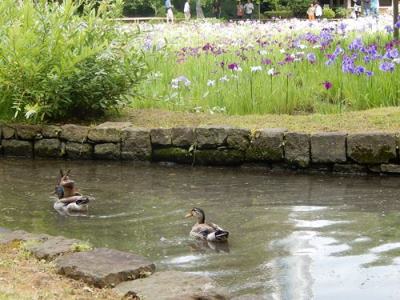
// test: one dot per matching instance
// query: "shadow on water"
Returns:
(292, 236)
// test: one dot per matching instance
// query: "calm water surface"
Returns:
(292, 236)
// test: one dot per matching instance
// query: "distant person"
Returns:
(199, 10)
(217, 8)
(311, 12)
(367, 7)
(239, 10)
(170, 13)
(186, 10)
(375, 8)
(248, 9)
(318, 10)
(357, 8)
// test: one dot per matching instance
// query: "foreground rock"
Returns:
(172, 285)
(104, 267)
(22, 236)
(53, 247)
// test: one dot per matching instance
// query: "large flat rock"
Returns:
(53, 247)
(297, 148)
(104, 267)
(17, 148)
(108, 132)
(172, 285)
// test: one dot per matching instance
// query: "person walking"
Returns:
(311, 12)
(170, 13)
(217, 8)
(248, 9)
(199, 10)
(357, 8)
(239, 10)
(375, 8)
(186, 10)
(318, 10)
(366, 7)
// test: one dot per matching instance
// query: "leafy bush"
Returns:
(328, 13)
(284, 14)
(299, 7)
(342, 12)
(60, 61)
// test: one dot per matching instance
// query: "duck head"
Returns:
(198, 213)
(65, 186)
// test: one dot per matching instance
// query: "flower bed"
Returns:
(287, 66)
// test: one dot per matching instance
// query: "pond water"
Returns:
(292, 236)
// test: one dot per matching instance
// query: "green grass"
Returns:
(381, 119)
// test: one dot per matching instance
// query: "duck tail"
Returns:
(218, 236)
(83, 200)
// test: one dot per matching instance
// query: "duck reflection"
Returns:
(203, 246)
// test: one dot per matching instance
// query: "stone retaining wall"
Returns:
(376, 152)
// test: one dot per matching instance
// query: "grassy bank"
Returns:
(381, 119)
(23, 277)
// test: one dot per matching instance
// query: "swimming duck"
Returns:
(69, 199)
(206, 231)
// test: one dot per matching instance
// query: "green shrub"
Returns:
(328, 13)
(342, 12)
(299, 7)
(284, 14)
(61, 61)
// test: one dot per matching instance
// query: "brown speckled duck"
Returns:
(206, 231)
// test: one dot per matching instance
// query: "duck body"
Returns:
(69, 199)
(206, 231)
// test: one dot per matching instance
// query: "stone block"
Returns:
(28, 132)
(329, 147)
(79, 150)
(51, 131)
(371, 148)
(390, 168)
(173, 154)
(48, 148)
(161, 136)
(266, 145)
(297, 148)
(183, 136)
(109, 132)
(17, 148)
(74, 133)
(136, 144)
(238, 138)
(52, 247)
(219, 157)
(209, 137)
(172, 285)
(8, 132)
(104, 267)
(107, 151)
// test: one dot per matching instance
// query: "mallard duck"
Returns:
(69, 199)
(206, 231)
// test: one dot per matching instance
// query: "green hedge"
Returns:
(284, 14)
(63, 61)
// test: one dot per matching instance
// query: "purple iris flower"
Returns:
(356, 45)
(391, 53)
(311, 58)
(389, 28)
(348, 65)
(386, 66)
(359, 70)
(369, 73)
(266, 61)
(233, 66)
(327, 85)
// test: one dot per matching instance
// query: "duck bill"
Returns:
(189, 215)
